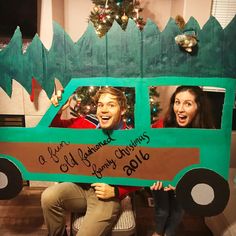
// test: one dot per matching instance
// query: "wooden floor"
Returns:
(23, 216)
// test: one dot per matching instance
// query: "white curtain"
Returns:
(224, 11)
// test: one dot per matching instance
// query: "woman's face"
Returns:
(185, 108)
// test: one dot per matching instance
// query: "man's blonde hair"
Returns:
(120, 96)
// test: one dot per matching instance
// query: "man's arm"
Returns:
(57, 121)
(125, 190)
(106, 191)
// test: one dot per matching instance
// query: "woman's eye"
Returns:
(188, 104)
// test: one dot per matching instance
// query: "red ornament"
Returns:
(102, 16)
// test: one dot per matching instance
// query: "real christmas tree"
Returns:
(154, 103)
(106, 11)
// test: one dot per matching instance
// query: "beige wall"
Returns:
(73, 15)
(158, 11)
(199, 9)
(58, 11)
(177, 8)
(45, 25)
(76, 17)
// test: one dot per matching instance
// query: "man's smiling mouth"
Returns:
(105, 117)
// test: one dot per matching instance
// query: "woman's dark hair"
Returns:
(203, 118)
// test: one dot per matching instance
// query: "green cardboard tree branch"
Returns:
(129, 53)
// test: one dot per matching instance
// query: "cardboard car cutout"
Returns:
(187, 158)
(196, 161)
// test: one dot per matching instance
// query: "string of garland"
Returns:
(105, 12)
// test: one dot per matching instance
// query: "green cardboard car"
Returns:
(190, 159)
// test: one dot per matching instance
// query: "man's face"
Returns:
(109, 111)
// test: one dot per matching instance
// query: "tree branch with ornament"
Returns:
(105, 12)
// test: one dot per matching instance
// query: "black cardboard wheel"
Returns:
(199, 176)
(13, 182)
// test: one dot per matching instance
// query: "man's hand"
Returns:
(56, 97)
(103, 191)
(158, 186)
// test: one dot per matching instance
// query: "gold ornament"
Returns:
(124, 18)
(96, 8)
(187, 42)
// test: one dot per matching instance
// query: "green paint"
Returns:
(129, 53)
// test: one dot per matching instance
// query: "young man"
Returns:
(99, 201)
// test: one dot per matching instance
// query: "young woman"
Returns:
(188, 108)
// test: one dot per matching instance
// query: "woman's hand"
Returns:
(169, 187)
(156, 186)
(159, 185)
(103, 191)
